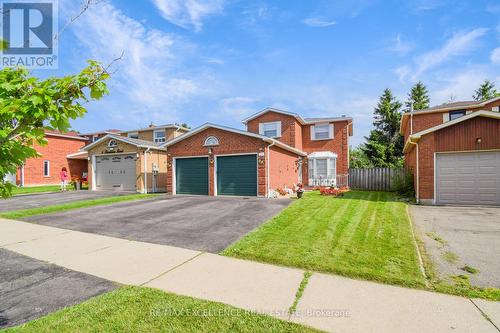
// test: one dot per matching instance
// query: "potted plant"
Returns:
(300, 190)
(76, 183)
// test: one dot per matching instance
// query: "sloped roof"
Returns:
(69, 135)
(136, 142)
(303, 121)
(234, 130)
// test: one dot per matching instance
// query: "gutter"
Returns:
(146, 170)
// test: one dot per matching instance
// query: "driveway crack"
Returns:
(484, 314)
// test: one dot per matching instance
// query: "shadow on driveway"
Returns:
(200, 223)
(30, 288)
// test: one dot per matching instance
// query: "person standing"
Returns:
(64, 178)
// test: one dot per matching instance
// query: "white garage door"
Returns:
(116, 172)
(468, 178)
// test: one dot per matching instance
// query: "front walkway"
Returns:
(329, 302)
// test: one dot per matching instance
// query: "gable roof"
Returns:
(455, 106)
(152, 128)
(68, 135)
(302, 121)
(233, 130)
(481, 113)
(135, 142)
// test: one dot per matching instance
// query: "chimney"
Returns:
(151, 125)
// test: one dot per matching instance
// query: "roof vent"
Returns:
(151, 125)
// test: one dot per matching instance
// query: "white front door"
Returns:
(117, 172)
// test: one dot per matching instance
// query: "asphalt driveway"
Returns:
(47, 199)
(200, 223)
(30, 288)
(459, 236)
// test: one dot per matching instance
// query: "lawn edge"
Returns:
(420, 260)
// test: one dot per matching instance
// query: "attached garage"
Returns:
(237, 175)
(191, 176)
(116, 172)
(468, 178)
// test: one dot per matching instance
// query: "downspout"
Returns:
(417, 196)
(267, 168)
(146, 170)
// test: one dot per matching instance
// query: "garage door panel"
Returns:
(468, 178)
(116, 172)
(237, 175)
(191, 176)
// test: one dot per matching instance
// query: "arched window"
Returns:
(112, 143)
(211, 141)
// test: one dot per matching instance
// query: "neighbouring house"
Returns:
(59, 152)
(453, 151)
(94, 136)
(278, 150)
(130, 160)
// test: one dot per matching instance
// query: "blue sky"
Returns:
(220, 60)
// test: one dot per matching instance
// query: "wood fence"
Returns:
(374, 179)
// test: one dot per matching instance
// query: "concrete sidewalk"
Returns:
(329, 302)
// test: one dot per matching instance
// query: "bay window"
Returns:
(322, 169)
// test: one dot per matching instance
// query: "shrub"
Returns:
(403, 185)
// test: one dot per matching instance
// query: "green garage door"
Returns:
(237, 175)
(191, 175)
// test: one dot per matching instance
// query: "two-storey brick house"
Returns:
(453, 151)
(279, 149)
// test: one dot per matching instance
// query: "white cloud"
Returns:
(236, 108)
(460, 85)
(495, 56)
(144, 86)
(188, 13)
(493, 8)
(403, 72)
(400, 46)
(318, 22)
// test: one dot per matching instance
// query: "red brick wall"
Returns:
(289, 127)
(55, 151)
(229, 143)
(282, 168)
(337, 145)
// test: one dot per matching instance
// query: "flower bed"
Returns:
(332, 191)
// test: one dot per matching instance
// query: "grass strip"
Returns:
(300, 292)
(18, 214)
(36, 189)
(140, 309)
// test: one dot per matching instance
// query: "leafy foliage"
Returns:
(419, 97)
(486, 91)
(29, 106)
(358, 159)
(384, 146)
(403, 185)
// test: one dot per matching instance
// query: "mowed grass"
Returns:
(136, 309)
(18, 214)
(363, 235)
(36, 189)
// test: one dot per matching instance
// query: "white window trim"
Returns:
(207, 143)
(136, 134)
(331, 172)
(48, 168)
(330, 132)
(278, 128)
(159, 131)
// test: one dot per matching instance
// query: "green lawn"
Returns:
(363, 234)
(136, 309)
(36, 189)
(17, 214)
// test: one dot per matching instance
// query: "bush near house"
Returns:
(332, 191)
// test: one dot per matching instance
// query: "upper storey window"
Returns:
(133, 135)
(159, 136)
(271, 129)
(322, 131)
(456, 114)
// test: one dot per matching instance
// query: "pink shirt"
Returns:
(64, 175)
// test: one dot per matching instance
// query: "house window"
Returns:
(211, 141)
(46, 168)
(133, 135)
(95, 138)
(159, 136)
(322, 171)
(321, 168)
(456, 114)
(112, 143)
(322, 132)
(272, 129)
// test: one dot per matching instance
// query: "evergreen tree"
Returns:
(384, 146)
(485, 91)
(419, 96)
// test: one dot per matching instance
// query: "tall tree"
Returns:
(29, 105)
(419, 97)
(485, 91)
(384, 146)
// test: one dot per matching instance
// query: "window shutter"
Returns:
(278, 128)
(313, 137)
(330, 131)
(261, 129)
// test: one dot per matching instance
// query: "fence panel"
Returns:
(374, 179)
